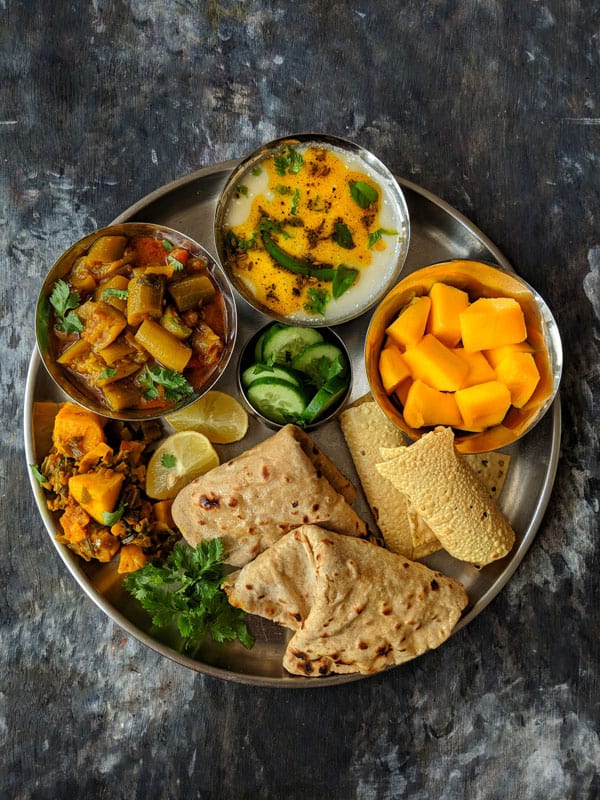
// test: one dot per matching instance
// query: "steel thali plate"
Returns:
(438, 233)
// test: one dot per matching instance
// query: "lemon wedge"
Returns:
(217, 415)
(179, 459)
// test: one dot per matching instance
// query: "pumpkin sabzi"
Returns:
(94, 478)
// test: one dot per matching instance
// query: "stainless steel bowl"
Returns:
(43, 318)
(247, 358)
(357, 300)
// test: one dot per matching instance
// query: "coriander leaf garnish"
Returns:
(241, 190)
(167, 245)
(344, 278)
(174, 384)
(107, 372)
(64, 300)
(168, 460)
(175, 263)
(110, 518)
(375, 236)
(363, 193)
(317, 301)
(289, 160)
(295, 203)
(41, 479)
(342, 235)
(186, 591)
(120, 294)
(257, 170)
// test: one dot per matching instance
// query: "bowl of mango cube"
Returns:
(466, 345)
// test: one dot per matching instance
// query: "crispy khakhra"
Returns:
(450, 498)
(257, 497)
(372, 438)
(354, 606)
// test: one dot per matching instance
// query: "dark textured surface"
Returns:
(492, 106)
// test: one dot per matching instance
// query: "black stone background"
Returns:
(494, 107)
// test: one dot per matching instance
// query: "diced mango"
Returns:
(447, 303)
(480, 370)
(436, 364)
(483, 405)
(520, 374)
(492, 322)
(409, 326)
(392, 368)
(426, 406)
(403, 390)
(496, 354)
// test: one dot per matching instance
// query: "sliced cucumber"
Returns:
(265, 335)
(320, 362)
(282, 345)
(328, 395)
(258, 370)
(277, 400)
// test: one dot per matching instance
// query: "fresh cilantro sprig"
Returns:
(119, 294)
(317, 301)
(186, 591)
(37, 474)
(375, 236)
(64, 300)
(289, 160)
(175, 385)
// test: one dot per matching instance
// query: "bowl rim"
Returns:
(61, 267)
(476, 441)
(334, 142)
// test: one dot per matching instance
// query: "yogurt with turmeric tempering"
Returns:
(314, 233)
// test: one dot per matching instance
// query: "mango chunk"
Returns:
(402, 391)
(392, 368)
(520, 374)
(497, 354)
(97, 492)
(483, 405)
(480, 370)
(409, 326)
(435, 364)
(492, 322)
(426, 406)
(447, 303)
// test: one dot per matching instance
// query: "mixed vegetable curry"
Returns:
(138, 322)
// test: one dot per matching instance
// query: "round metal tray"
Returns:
(438, 233)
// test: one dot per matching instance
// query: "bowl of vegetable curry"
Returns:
(135, 321)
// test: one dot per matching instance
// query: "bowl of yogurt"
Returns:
(312, 229)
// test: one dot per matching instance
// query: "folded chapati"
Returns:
(254, 499)
(354, 606)
(450, 498)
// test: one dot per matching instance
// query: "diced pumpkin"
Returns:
(483, 405)
(435, 364)
(496, 354)
(162, 512)
(426, 406)
(447, 303)
(520, 374)
(131, 558)
(97, 492)
(77, 431)
(392, 368)
(492, 322)
(480, 370)
(102, 452)
(74, 523)
(409, 326)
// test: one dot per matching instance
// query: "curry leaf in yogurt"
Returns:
(363, 193)
(317, 301)
(375, 236)
(344, 278)
(289, 160)
(342, 235)
(63, 300)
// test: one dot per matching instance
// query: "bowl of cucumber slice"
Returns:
(294, 374)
